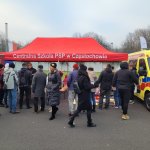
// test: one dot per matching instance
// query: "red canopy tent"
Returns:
(65, 50)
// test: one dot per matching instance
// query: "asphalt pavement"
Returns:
(31, 131)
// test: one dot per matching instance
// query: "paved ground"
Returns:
(30, 131)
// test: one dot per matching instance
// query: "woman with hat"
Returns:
(84, 98)
(53, 87)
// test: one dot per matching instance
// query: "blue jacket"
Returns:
(71, 78)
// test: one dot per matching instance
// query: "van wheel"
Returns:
(147, 101)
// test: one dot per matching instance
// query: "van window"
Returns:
(142, 64)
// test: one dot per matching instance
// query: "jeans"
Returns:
(117, 98)
(93, 102)
(102, 94)
(12, 94)
(71, 97)
(125, 95)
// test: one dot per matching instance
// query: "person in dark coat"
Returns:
(84, 98)
(1, 85)
(124, 80)
(25, 81)
(105, 81)
(38, 88)
(53, 86)
(33, 71)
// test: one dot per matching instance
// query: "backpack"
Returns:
(76, 87)
(22, 79)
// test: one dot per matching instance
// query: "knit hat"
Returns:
(83, 67)
(11, 65)
(54, 65)
(75, 66)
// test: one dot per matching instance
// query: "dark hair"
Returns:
(40, 66)
(108, 65)
(91, 69)
(24, 64)
(1, 66)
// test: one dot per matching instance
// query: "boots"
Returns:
(91, 125)
(54, 110)
(70, 123)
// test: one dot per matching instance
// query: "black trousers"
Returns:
(36, 103)
(1, 95)
(125, 95)
(26, 91)
(89, 119)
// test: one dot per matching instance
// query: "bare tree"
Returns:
(132, 42)
(97, 37)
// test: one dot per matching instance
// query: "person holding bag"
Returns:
(11, 82)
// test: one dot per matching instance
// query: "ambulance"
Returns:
(141, 61)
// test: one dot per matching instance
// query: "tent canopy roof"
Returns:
(65, 49)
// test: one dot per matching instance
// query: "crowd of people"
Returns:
(30, 81)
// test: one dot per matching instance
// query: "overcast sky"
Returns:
(112, 19)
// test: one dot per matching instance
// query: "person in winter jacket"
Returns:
(53, 89)
(11, 81)
(25, 80)
(38, 88)
(124, 80)
(84, 98)
(105, 81)
(1, 85)
(71, 94)
(33, 71)
(93, 78)
(5, 90)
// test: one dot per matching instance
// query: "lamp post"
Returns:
(6, 37)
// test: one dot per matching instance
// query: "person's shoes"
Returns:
(6, 106)
(52, 118)
(125, 117)
(42, 110)
(116, 107)
(91, 125)
(29, 107)
(15, 112)
(71, 124)
(131, 102)
(70, 114)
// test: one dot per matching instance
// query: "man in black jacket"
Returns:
(25, 80)
(105, 81)
(84, 98)
(124, 80)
